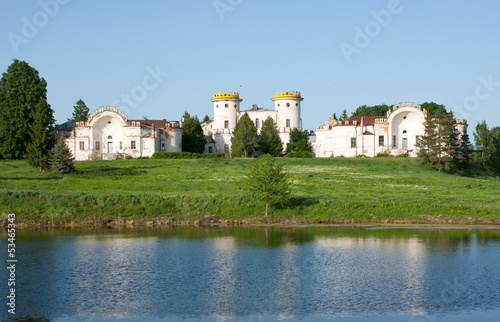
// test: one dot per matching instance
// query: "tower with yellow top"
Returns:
(226, 108)
(287, 107)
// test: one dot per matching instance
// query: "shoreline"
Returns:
(110, 223)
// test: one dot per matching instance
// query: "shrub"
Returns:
(213, 156)
(187, 155)
(303, 154)
(383, 155)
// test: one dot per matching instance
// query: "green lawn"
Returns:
(339, 189)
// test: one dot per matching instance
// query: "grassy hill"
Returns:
(331, 190)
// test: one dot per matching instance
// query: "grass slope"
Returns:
(336, 190)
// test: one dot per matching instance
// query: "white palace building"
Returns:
(108, 134)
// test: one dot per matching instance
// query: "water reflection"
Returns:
(238, 273)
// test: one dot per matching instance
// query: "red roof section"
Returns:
(367, 120)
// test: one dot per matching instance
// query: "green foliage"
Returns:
(39, 148)
(464, 151)
(61, 160)
(434, 109)
(187, 155)
(269, 139)
(343, 116)
(299, 142)
(245, 139)
(490, 140)
(193, 139)
(80, 112)
(206, 118)
(267, 182)
(376, 110)
(21, 91)
(303, 154)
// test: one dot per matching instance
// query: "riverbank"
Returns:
(191, 192)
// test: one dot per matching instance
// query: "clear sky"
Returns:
(158, 58)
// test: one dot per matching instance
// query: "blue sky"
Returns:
(160, 58)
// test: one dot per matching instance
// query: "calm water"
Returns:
(253, 274)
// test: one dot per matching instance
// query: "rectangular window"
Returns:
(380, 140)
(82, 145)
(209, 149)
(226, 148)
(353, 142)
(226, 124)
(121, 145)
(162, 145)
(97, 145)
(262, 123)
(257, 123)
(132, 145)
(394, 143)
(287, 122)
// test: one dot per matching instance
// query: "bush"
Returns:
(187, 155)
(303, 154)
(383, 155)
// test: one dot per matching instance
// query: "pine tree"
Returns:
(464, 151)
(206, 119)
(21, 89)
(244, 140)
(268, 182)
(450, 137)
(335, 117)
(42, 141)
(61, 160)
(80, 112)
(426, 143)
(343, 116)
(193, 139)
(269, 138)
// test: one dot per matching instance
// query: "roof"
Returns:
(367, 120)
(367, 133)
(156, 123)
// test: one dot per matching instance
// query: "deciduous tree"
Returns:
(21, 90)
(193, 139)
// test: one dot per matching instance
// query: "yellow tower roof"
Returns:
(287, 94)
(226, 95)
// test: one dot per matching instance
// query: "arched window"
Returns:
(404, 132)
(110, 137)
(257, 125)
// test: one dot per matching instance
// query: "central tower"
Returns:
(287, 106)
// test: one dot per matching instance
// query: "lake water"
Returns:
(255, 274)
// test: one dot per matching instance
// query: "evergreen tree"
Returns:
(464, 151)
(206, 119)
(267, 182)
(80, 112)
(434, 109)
(193, 139)
(21, 90)
(426, 143)
(244, 140)
(450, 145)
(269, 139)
(41, 143)
(343, 116)
(299, 142)
(61, 160)
(335, 117)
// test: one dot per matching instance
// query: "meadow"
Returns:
(337, 190)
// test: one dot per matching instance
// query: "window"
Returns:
(82, 145)
(209, 149)
(380, 140)
(162, 145)
(287, 104)
(226, 148)
(353, 142)
(262, 123)
(226, 124)
(257, 123)
(110, 137)
(287, 122)
(417, 137)
(121, 145)
(404, 132)
(394, 143)
(97, 145)
(226, 106)
(132, 145)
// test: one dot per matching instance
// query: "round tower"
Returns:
(226, 108)
(287, 106)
